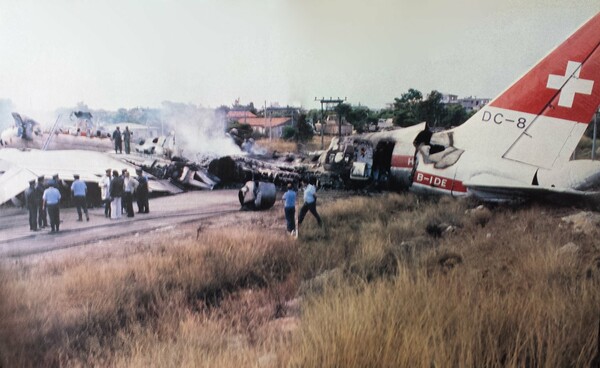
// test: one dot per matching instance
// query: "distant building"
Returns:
(473, 103)
(269, 126)
(449, 99)
(469, 103)
(332, 126)
(239, 115)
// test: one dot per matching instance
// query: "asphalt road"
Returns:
(16, 240)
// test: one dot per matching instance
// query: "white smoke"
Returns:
(6, 108)
(198, 131)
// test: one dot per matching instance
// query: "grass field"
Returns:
(391, 280)
(280, 145)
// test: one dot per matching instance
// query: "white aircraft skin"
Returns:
(18, 167)
(520, 144)
(64, 138)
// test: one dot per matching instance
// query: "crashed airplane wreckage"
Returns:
(517, 147)
(259, 177)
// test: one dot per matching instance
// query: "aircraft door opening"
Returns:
(382, 163)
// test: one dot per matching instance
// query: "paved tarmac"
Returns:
(16, 240)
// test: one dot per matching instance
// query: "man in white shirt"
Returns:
(51, 199)
(310, 203)
(104, 185)
(130, 185)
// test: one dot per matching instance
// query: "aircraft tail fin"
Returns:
(540, 119)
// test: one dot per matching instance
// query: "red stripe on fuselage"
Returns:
(439, 182)
(403, 161)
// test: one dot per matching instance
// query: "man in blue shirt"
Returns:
(79, 191)
(51, 198)
(310, 202)
(289, 206)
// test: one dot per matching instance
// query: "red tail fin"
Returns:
(565, 84)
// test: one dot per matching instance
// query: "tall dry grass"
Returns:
(498, 292)
(145, 308)
(391, 280)
(281, 145)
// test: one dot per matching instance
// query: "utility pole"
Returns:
(325, 102)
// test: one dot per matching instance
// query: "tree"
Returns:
(289, 133)
(406, 108)
(432, 109)
(455, 115)
(359, 118)
(304, 130)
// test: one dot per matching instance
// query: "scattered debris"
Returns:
(584, 222)
(569, 248)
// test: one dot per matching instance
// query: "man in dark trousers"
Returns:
(79, 192)
(43, 213)
(32, 204)
(310, 203)
(142, 192)
(116, 136)
(127, 139)
(289, 208)
(51, 199)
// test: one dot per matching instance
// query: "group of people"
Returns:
(42, 202)
(119, 191)
(119, 138)
(43, 199)
(310, 204)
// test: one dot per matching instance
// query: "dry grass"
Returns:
(281, 145)
(513, 300)
(390, 281)
(113, 312)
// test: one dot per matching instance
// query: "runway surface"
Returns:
(16, 240)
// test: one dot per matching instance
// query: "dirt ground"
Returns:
(182, 216)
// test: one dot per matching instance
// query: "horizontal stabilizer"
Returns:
(505, 194)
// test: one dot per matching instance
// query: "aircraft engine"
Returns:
(257, 195)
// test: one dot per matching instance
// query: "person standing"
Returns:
(51, 199)
(142, 192)
(79, 192)
(32, 204)
(43, 213)
(310, 202)
(105, 192)
(127, 140)
(116, 136)
(116, 192)
(130, 185)
(289, 207)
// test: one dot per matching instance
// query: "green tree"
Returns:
(304, 131)
(455, 115)
(406, 108)
(360, 117)
(289, 133)
(432, 109)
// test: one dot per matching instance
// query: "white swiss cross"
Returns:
(572, 86)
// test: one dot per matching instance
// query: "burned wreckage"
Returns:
(352, 162)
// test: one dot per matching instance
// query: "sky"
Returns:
(110, 54)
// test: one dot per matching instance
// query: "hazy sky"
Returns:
(129, 53)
